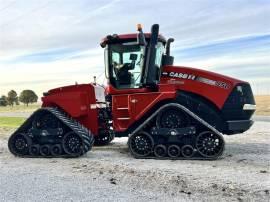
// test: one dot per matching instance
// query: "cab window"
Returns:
(126, 62)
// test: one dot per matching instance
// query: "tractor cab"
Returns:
(133, 61)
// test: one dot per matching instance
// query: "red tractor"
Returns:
(166, 111)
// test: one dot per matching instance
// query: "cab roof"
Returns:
(115, 38)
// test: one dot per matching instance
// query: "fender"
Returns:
(75, 100)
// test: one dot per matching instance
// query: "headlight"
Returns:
(249, 107)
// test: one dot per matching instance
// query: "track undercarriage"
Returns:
(50, 133)
(174, 132)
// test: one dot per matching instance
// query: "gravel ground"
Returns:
(111, 174)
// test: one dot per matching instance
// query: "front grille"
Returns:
(233, 107)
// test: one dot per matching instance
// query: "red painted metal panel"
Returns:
(130, 105)
(76, 101)
(200, 82)
(129, 108)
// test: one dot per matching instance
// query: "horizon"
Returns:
(56, 43)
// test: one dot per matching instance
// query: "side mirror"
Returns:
(167, 60)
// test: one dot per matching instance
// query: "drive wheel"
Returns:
(172, 118)
(141, 144)
(160, 151)
(209, 144)
(72, 144)
(56, 150)
(34, 150)
(45, 150)
(173, 151)
(19, 144)
(187, 151)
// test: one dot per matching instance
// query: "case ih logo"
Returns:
(211, 82)
(179, 75)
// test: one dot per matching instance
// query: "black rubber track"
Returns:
(202, 127)
(87, 139)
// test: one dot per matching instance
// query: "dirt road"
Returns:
(111, 174)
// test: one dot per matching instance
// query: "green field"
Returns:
(11, 122)
(20, 108)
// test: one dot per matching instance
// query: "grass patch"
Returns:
(11, 122)
(263, 105)
(20, 108)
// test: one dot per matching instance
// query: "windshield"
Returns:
(126, 63)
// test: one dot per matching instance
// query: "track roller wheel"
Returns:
(174, 151)
(34, 150)
(160, 151)
(19, 144)
(140, 144)
(187, 151)
(56, 150)
(45, 150)
(209, 144)
(72, 144)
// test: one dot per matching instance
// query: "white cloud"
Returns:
(30, 27)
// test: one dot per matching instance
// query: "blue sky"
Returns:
(49, 43)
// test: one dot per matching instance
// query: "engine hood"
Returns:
(212, 86)
(170, 73)
(99, 91)
(70, 88)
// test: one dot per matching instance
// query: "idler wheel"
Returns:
(160, 151)
(187, 151)
(174, 151)
(140, 144)
(34, 150)
(19, 144)
(56, 150)
(45, 150)
(209, 144)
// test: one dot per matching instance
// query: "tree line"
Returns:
(26, 97)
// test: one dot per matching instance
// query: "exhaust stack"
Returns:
(150, 72)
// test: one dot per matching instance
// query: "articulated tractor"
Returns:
(166, 111)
